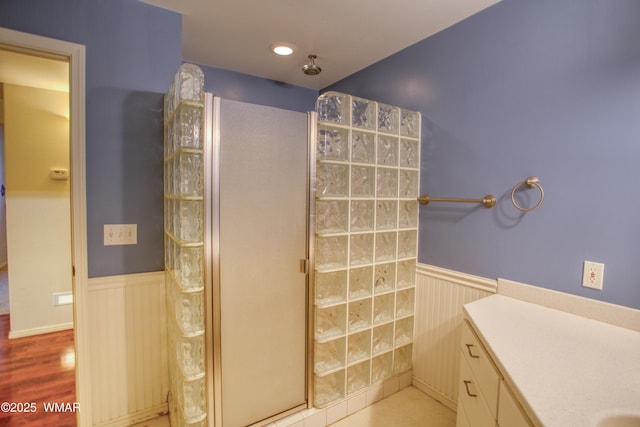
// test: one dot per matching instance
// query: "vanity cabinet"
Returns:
(509, 412)
(484, 399)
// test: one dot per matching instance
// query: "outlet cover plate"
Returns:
(593, 275)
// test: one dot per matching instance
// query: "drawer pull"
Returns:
(474, 356)
(466, 385)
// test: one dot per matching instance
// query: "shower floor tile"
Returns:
(407, 408)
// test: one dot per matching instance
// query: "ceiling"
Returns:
(346, 35)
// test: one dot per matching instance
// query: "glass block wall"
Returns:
(183, 231)
(366, 223)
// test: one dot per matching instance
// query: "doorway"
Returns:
(74, 55)
(4, 282)
(36, 153)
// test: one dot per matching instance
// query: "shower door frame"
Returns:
(211, 158)
(212, 284)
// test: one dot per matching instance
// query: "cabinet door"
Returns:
(475, 407)
(509, 412)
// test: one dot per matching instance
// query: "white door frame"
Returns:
(75, 53)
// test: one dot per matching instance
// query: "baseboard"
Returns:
(139, 417)
(426, 389)
(41, 330)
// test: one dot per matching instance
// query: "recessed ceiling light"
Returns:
(282, 49)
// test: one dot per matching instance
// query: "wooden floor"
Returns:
(36, 372)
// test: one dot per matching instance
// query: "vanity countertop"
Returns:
(566, 370)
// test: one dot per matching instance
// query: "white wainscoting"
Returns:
(129, 381)
(440, 295)
(127, 350)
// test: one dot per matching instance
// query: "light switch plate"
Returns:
(120, 234)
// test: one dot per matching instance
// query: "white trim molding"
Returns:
(42, 330)
(117, 282)
(464, 279)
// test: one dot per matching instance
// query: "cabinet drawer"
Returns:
(509, 412)
(480, 363)
(470, 399)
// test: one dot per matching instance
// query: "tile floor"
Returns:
(407, 408)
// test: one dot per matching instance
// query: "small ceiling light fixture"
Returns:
(310, 68)
(282, 49)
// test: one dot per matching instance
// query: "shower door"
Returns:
(262, 187)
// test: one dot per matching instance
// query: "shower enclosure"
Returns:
(289, 279)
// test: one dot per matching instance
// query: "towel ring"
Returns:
(530, 182)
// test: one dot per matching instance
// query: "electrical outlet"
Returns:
(120, 234)
(592, 275)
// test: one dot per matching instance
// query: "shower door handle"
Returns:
(304, 266)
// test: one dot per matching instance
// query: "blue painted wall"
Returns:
(256, 90)
(548, 88)
(132, 53)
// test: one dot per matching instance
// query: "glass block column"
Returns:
(366, 213)
(183, 231)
